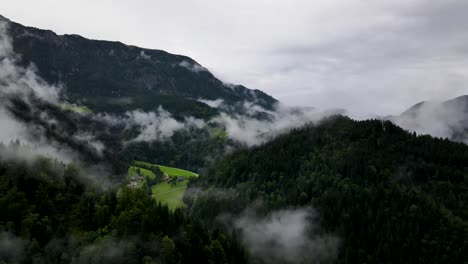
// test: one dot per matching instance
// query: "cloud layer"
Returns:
(439, 119)
(247, 123)
(256, 125)
(156, 125)
(21, 93)
(11, 248)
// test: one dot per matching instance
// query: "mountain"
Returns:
(106, 101)
(74, 113)
(114, 77)
(460, 103)
(448, 119)
(355, 192)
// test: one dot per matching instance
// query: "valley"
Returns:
(113, 153)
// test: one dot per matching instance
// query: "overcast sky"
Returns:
(369, 57)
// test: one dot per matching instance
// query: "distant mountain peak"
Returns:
(446, 119)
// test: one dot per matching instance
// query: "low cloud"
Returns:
(15, 79)
(286, 236)
(144, 55)
(156, 125)
(96, 144)
(11, 129)
(30, 125)
(23, 84)
(11, 248)
(212, 103)
(31, 139)
(107, 250)
(194, 67)
(439, 119)
(193, 193)
(246, 123)
(291, 235)
(258, 125)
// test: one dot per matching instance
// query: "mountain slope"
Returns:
(447, 119)
(139, 103)
(389, 195)
(110, 76)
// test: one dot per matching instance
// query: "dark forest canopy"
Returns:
(390, 196)
(52, 213)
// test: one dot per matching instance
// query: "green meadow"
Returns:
(76, 109)
(176, 172)
(219, 132)
(170, 194)
(134, 170)
(171, 171)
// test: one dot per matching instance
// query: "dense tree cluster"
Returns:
(192, 150)
(390, 195)
(52, 213)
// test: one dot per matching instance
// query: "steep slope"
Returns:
(110, 76)
(111, 102)
(447, 119)
(389, 195)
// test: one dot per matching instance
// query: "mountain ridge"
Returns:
(446, 119)
(462, 99)
(91, 70)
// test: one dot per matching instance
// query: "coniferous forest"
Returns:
(52, 213)
(391, 196)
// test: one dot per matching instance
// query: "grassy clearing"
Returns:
(133, 170)
(76, 109)
(164, 187)
(165, 192)
(170, 195)
(219, 132)
(171, 171)
(176, 172)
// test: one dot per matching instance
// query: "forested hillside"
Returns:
(55, 213)
(389, 195)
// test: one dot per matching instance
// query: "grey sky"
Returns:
(370, 57)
